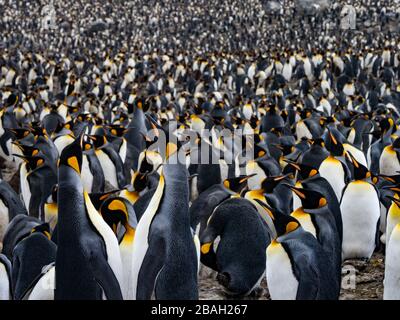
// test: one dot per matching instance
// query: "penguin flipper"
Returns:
(307, 289)
(3, 143)
(98, 178)
(119, 166)
(106, 278)
(377, 235)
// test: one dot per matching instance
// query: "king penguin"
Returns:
(240, 255)
(29, 257)
(164, 246)
(391, 282)
(88, 262)
(118, 212)
(333, 168)
(315, 217)
(360, 208)
(298, 268)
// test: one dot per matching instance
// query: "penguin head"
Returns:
(285, 148)
(71, 155)
(98, 140)
(304, 171)
(139, 180)
(259, 151)
(387, 124)
(97, 199)
(284, 224)
(360, 172)
(310, 199)
(32, 162)
(115, 211)
(237, 184)
(53, 196)
(42, 228)
(268, 184)
(19, 133)
(117, 130)
(333, 144)
(26, 150)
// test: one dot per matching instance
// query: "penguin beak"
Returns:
(93, 138)
(352, 159)
(298, 191)
(387, 178)
(279, 178)
(245, 178)
(293, 164)
(395, 188)
(396, 201)
(267, 208)
(25, 158)
(333, 139)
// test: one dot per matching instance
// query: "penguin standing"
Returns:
(88, 256)
(391, 282)
(297, 266)
(164, 245)
(29, 257)
(315, 217)
(360, 208)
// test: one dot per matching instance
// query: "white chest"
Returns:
(282, 283)
(360, 209)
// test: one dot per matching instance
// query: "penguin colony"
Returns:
(96, 211)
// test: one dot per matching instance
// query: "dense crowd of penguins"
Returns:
(99, 209)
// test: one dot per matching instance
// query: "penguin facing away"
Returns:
(164, 245)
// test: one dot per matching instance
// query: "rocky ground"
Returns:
(363, 282)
